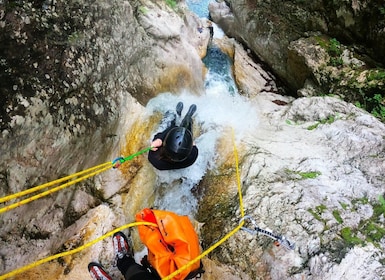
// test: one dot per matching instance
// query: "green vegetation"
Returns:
(317, 212)
(376, 105)
(373, 232)
(143, 10)
(373, 98)
(370, 230)
(309, 175)
(379, 209)
(304, 175)
(334, 49)
(358, 85)
(11, 5)
(382, 202)
(337, 216)
(344, 205)
(363, 200)
(328, 120)
(171, 3)
(73, 37)
(377, 74)
(350, 237)
(289, 122)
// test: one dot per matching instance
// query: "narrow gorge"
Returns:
(296, 89)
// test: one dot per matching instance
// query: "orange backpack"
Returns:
(172, 244)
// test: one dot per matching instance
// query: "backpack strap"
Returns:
(197, 273)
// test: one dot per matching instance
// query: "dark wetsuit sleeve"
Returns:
(162, 135)
(155, 156)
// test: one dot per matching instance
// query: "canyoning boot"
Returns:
(191, 110)
(187, 120)
(97, 272)
(122, 245)
(179, 108)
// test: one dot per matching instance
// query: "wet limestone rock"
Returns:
(312, 171)
(273, 29)
(75, 76)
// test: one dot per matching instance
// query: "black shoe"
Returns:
(97, 272)
(121, 245)
(191, 110)
(179, 108)
(187, 120)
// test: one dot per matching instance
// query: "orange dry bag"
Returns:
(172, 244)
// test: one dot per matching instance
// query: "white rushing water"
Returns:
(217, 110)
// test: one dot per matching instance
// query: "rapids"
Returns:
(218, 110)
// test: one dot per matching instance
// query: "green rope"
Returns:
(120, 160)
(130, 157)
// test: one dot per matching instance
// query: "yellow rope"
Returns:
(227, 236)
(40, 195)
(205, 253)
(238, 176)
(89, 244)
(46, 185)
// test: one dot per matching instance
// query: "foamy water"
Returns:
(217, 111)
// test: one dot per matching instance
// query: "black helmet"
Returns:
(178, 144)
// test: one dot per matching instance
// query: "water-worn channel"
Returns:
(219, 107)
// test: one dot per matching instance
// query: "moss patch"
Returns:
(370, 230)
(328, 120)
(337, 216)
(217, 205)
(359, 84)
(303, 175)
(350, 237)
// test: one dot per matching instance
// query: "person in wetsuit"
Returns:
(125, 262)
(174, 147)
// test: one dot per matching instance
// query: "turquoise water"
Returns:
(219, 107)
(199, 7)
(219, 66)
(218, 63)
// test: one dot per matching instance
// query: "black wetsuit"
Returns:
(155, 157)
(133, 271)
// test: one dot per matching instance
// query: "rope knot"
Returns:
(116, 163)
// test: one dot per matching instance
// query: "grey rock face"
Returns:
(74, 78)
(270, 28)
(69, 71)
(311, 169)
(318, 183)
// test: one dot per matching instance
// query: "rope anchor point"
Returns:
(278, 239)
(116, 163)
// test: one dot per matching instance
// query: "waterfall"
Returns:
(219, 108)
